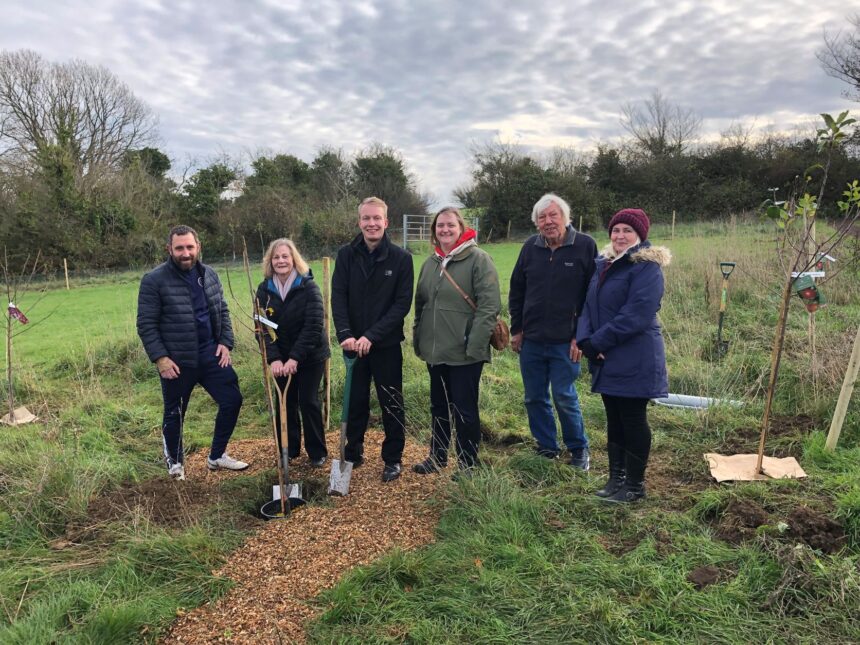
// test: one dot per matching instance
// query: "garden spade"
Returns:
(341, 469)
(287, 496)
(726, 269)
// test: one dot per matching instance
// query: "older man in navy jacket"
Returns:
(183, 321)
(548, 287)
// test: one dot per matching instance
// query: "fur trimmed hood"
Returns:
(643, 253)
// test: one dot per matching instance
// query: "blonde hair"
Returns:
(298, 261)
(448, 209)
(376, 202)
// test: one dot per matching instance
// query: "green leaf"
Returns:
(773, 212)
(828, 120)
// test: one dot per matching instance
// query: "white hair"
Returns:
(545, 202)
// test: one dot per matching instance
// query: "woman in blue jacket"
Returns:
(289, 297)
(619, 334)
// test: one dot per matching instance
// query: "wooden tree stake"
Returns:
(326, 262)
(844, 395)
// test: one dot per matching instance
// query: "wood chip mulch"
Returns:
(283, 566)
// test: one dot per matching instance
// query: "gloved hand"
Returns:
(590, 353)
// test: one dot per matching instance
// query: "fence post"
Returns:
(673, 225)
(66, 271)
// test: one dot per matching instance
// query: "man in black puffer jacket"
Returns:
(183, 321)
(371, 293)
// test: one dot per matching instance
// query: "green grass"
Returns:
(523, 552)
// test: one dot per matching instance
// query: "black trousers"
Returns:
(385, 367)
(627, 432)
(454, 397)
(303, 398)
(221, 383)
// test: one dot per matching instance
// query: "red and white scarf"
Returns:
(467, 239)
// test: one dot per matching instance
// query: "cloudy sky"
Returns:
(433, 79)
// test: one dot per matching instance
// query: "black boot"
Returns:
(634, 485)
(617, 472)
(629, 492)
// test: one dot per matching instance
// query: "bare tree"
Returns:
(737, 135)
(840, 56)
(82, 110)
(659, 127)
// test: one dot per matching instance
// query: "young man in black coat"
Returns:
(183, 321)
(371, 293)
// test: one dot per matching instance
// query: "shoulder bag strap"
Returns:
(459, 290)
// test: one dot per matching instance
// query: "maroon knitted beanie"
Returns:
(635, 218)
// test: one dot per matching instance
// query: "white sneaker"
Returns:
(177, 471)
(225, 462)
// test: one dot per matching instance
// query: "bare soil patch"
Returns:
(740, 520)
(742, 517)
(816, 529)
(704, 576)
(169, 503)
(784, 437)
(675, 483)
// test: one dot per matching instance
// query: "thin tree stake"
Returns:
(326, 263)
(844, 395)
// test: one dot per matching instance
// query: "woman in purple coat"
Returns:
(619, 334)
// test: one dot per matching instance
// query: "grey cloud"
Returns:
(420, 76)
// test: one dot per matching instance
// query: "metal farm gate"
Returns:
(416, 228)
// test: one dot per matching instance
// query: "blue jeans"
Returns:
(542, 365)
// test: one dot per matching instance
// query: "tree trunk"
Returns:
(11, 391)
(776, 355)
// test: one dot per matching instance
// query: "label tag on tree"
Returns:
(17, 314)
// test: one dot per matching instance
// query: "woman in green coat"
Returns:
(452, 335)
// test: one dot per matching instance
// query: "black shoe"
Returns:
(613, 485)
(580, 459)
(391, 472)
(546, 452)
(356, 462)
(319, 461)
(428, 466)
(628, 493)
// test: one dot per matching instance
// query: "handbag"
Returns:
(501, 336)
